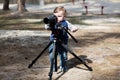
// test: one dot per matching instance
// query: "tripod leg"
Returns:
(55, 58)
(83, 62)
(52, 60)
(51, 70)
(30, 65)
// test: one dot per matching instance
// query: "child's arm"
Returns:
(72, 27)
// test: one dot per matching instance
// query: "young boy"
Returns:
(60, 13)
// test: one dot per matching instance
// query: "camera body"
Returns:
(51, 21)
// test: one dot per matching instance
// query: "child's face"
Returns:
(60, 16)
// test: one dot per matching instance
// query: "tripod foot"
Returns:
(50, 75)
(90, 68)
(30, 65)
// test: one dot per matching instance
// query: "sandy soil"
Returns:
(98, 45)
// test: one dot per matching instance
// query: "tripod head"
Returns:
(55, 27)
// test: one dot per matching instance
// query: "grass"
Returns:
(17, 24)
(77, 20)
(19, 21)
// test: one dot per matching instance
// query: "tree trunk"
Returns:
(6, 5)
(21, 6)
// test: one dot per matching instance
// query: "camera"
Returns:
(51, 21)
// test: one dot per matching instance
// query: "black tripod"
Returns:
(54, 55)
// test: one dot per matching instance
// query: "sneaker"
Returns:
(63, 69)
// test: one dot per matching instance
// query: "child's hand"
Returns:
(74, 28)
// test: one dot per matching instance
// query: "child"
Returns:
(60, 13)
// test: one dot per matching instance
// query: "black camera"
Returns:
(51, 20)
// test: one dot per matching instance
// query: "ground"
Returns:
(98, 45)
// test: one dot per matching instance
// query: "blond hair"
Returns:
(60, 8)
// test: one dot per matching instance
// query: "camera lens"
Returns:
(46, 20)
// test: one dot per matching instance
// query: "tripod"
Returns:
(55, 42)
